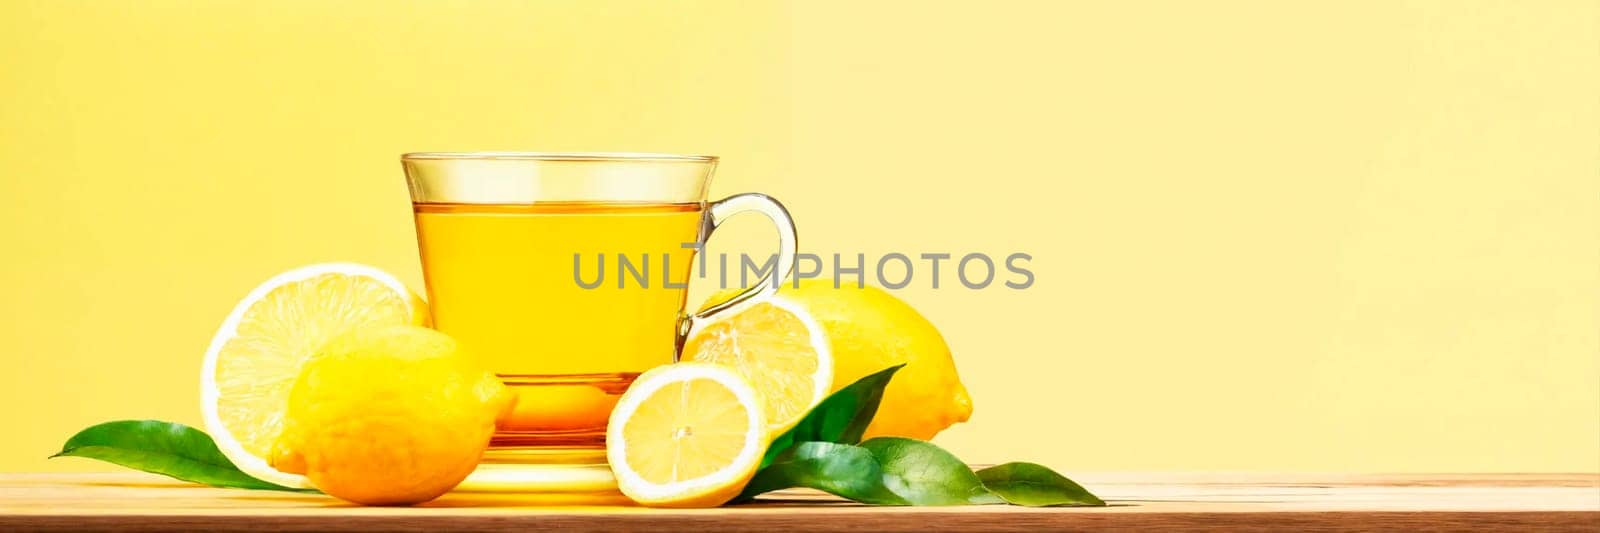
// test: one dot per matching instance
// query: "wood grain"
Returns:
(1215, 502)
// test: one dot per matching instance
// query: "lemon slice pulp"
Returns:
(686, 435)
(779, 348)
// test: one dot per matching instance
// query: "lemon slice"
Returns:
(256, 355)
(686, 435)
(779, 347)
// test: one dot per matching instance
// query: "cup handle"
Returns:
(721, 211)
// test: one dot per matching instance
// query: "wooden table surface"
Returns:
(133, 501)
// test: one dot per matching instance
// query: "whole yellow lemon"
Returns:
(389, 416)
(869, 330)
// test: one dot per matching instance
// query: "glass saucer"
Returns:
(543, 478)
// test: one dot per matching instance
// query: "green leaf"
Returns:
(1035, 486)
(925, 474)
(842, 470)
(841, 417)
(165, 448)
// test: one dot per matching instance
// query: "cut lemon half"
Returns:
(686, 435)
(256, 355)
(779, 347)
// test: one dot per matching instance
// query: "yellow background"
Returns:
(1352, 236)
